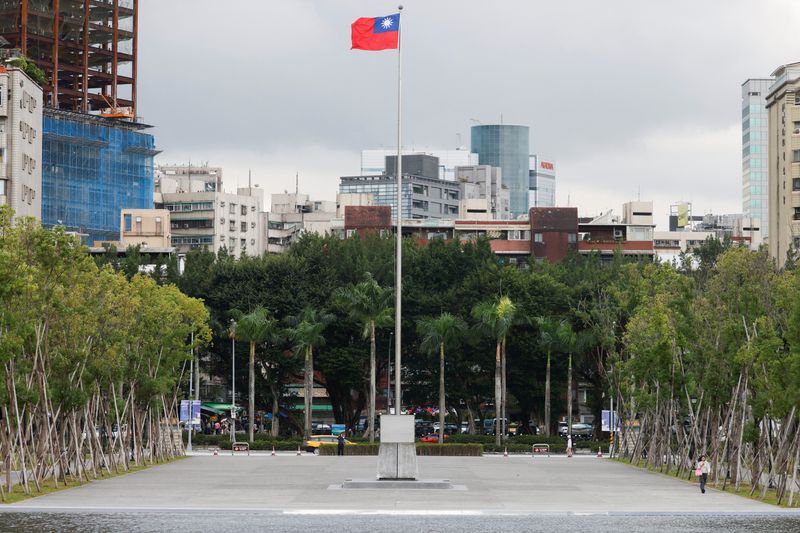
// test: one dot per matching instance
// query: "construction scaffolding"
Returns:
(86, 48)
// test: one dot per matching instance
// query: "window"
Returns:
(538, 237)
(232, 226)
(795, 156)
(128, 219)
(158, 225)
(572, 238)
(244, 209)
(2, 187)
(244, 226)
(138, 224)
(795, 184)
(232, 210)
(243, 243)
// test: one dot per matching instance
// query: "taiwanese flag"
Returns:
(376, 33)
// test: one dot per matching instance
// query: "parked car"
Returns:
(580, 431)
(422, 428)
(432, 438)
(315, 441)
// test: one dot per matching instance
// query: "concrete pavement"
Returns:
(309, 484)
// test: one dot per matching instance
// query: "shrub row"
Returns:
(280, 445)
(462, 450)
(202, 439)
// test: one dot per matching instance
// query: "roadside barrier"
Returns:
(540, 448)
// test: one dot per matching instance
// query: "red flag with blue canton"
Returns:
(376, 33)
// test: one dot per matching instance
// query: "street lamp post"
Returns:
(389, 376)
(233, 380)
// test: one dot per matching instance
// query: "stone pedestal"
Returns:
(397, 456)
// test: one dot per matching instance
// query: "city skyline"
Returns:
(649, 123)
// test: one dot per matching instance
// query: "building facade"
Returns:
(92, 62)
(482, 193)
(145, 227)
(188, 178)
(755, 150)
(92, 167)
(542, 186)
(215, 220)
(373, 162)
(20, 143)
(506, 147)
(422, 197)
(292, 214)
(783, 110)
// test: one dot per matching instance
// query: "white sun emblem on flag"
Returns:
(386, 23)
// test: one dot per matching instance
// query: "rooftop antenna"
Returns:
(639, 193)
(297, 183)
(250, 179)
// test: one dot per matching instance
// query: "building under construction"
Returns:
(86, 48)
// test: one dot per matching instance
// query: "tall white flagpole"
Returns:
(399, 252)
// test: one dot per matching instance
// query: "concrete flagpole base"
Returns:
(397, 460)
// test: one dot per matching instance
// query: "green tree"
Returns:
(496, 319)
(438, 333)
(256, 327)
(370, 305)
(306, 333)
(551, 334)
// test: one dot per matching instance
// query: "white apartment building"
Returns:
(483, 196)
(20, 143)
(217, 220)
(292, 214)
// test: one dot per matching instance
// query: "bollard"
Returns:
(273, 451)
(505, 451)
(600, 452)
(298, 450)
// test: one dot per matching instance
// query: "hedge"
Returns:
(460, 450)
(280, 445)
(217, 440)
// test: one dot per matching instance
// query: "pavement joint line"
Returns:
(388, 512)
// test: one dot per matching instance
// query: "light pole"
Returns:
(389, 376)
(233, 379)
(191, 384)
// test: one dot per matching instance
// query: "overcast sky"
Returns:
(629, 97)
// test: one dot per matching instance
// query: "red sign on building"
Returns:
(546, 165)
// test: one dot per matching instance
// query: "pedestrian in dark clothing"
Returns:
(340, 444)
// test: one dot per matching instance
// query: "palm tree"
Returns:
(497, 319)
(306, 334)
(571, 342)
(551, 333)
(438, 332)
(370, 305)
(255, 327)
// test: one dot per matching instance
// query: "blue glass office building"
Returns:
(92, 167)
(506, 147)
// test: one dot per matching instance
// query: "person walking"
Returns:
(702, 470)
(340, 444)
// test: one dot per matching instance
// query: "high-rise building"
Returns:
(373, 162)
(507, 147)
(92, 167)
(755, 149)
(92, 62)
(20, 143)
(783, 110)
(542, 187)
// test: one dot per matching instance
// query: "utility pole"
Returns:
(233, 380)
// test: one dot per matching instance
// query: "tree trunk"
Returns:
(275, 411)
(251, 414)
(504, 399)
(497, 395)
(547, 397)
(569, 398)
(309, 391)
(441, 393)
(371, 410)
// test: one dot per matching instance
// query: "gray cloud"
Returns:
(626, 95)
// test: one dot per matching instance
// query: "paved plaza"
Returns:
(308, 484)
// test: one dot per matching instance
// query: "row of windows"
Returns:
(189, 206)
(193, 240)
